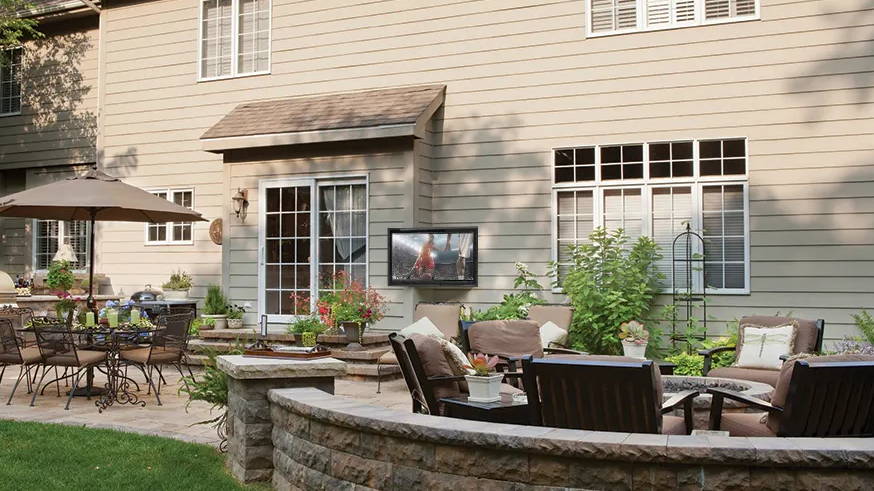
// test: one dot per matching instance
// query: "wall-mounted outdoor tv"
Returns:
(432, 256)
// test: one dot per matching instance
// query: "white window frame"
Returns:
(61, 238)
(314, 182)
(21, 58)
(699, 20)
(235, 40)
(647, 184)
(171, 192)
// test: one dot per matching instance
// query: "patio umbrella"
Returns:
(94, 196)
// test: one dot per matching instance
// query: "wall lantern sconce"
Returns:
(241, 203)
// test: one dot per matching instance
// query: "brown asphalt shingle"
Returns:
(338, 111)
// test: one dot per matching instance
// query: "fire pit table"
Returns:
(701, 405)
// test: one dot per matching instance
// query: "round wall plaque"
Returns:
(215, 231)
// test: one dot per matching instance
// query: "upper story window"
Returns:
(10, 87)
(620, 16)
(655, 189)
(234, 38)
(172, 232)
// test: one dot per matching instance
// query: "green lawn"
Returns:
(45, 457)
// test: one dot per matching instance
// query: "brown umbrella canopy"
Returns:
(94, 196)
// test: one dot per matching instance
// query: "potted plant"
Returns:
(307, 330)
(60, 279)
(350, 305)
(484, 385)
(201, 324)
(235, 316)
(178, 286)
(215, 306)
(634, 338)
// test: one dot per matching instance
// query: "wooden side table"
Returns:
(504, 411)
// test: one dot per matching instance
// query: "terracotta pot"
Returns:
(354, 332)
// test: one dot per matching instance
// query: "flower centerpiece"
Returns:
(634, 338)
(178, 286)
(348, 304)
(122, 315)
(484, 385)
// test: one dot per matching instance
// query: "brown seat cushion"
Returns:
(443, 315)
(755, 374)
(805, 335)
(673, 425)
(506, 338)
(561, 315)
(86, 358)
(28, 356)
(745, 424)
(159, 354)
(388, 358)
(781, 387)
(434, 364)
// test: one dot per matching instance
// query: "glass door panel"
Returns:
(286, 250)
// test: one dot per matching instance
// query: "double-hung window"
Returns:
(234, 38)
(50, 234)
(311, 229)
(657, 189)
(10, 86)
(172, 232)
(620, 16)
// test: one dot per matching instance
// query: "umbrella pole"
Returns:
(92, 305)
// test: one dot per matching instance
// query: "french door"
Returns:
(308, 231)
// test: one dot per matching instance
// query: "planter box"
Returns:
(484, 389)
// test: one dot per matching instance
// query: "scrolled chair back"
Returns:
(174, 330)
(57, 344)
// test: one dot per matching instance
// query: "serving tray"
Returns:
(268, 353)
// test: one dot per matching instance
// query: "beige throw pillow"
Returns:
(456, 359)
(763, 346)
(423, 326)
(551, 334)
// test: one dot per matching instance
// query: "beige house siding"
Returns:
(56, 128)
(521, 79)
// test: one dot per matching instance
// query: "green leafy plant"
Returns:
(481, 364)
(865, 323)
(198, 323)
(609, 282)
(60, 276)
(215, 302)
(235, 312)
(690, 365)
(514, 305)
(179, 280)
(211, 387)
(307, 324)
(633, 332)
(14, 29)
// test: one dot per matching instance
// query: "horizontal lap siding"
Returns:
(521, 79)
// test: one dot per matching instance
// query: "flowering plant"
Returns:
(481, 364)
(633, 332)
(349, 301)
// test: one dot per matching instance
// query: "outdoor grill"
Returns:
(153, 302)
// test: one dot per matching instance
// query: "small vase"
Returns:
(354, 332)
(484, 389)
(308, 339)
(634, 350)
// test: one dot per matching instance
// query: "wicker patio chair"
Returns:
(428, 375)
(168, 347)
(808, 339)
(57, 346)
(13, 352)
(603, 393)
(824, 396)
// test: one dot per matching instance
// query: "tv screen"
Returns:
(438, 256)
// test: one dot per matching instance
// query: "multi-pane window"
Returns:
(50, 234)
(657, 189)
(234, 38)
(172, 232)
(10, 86)
(618, 16)
(312, 231)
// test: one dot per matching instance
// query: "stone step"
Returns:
(369, 338)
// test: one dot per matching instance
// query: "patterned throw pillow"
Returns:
(762, 346)
(456, 359)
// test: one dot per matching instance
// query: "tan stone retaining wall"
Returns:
(323, 441)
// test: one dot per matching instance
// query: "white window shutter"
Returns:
(716, 9)
(626, 14)
(601, 16)
(658, 12)
(684, 10)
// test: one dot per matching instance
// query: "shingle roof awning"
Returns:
(338, 117)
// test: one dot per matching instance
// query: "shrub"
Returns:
(215, 302)
(865, 323)
(179, 280)
(609, 283)
(691, 365)
(514, 305)
(60, 277)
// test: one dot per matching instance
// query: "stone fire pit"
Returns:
(701, 405)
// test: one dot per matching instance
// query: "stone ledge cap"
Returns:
(246, 367)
